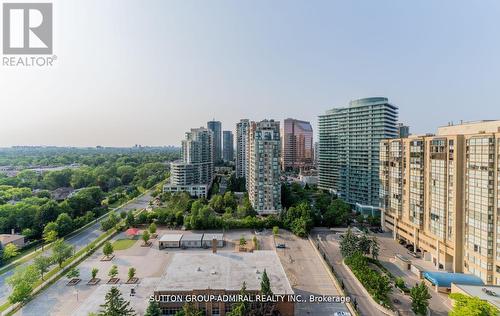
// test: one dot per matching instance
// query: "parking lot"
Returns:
(307, 275)
(150, 263)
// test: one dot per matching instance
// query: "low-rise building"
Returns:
(191, 240)
(170, 241)
(219, 274)
(208, 237)
(198, 190)
(15, 239)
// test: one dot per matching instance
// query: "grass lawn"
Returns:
(122, 244)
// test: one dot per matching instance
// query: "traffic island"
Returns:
(94, 281)
(107, 258)
(113, 281)
(73, 282)
(132, 281)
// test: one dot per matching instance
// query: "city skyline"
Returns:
(116, 86)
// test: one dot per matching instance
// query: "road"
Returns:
(307, 275)
(78, 241)
(352, 288)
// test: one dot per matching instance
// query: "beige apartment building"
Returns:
(263, 166)
(440, 193)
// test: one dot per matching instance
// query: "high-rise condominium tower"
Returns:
(242, 147)
(228, 149)
(263, 176)
(297, 144)
(440, 193)
(215, 127)
(195, 172)
(349, 140)
(403, 130)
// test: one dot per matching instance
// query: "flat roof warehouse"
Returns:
(224, 270)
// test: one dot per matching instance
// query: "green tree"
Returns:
(255, 242)
(364, 244)
(50, 232)
(94, 272)
(145, 237)
(375, 248)
(189, 310)
(61, 251)
(153, 309)
(73, 273)
(42, 263)
(107, 249)
(22, 283)
(420, 297)
(243, 241)
(21, 292)
(240, 308)
(348, 244)
(113, 272)
(10, 251)
(265, 285)
(64, 224)
(338, 213)
(130, 220)
(276, 231)
(471, 306)
(115, 305)
(152, 228)
(131, 273)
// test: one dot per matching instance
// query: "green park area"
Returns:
(122, 244)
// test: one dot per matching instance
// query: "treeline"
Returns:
(32, 214)
(221, 211)
(61, 156)
(29, 204)
(305, 207)
(108, 175)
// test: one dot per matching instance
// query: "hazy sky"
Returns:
(144, 72)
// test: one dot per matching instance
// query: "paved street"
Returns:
(307, 275)
(352, 287)
(78, 241)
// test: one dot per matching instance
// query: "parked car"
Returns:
(282, 246)
(413, 254)
(341, 314)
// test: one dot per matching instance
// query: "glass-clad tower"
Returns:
(349, 140)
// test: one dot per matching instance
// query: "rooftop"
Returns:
(192, 237)
(171, 237)
(224, 270)
(210, 236)
(481, 291)
(444, 279)
(7, 238)
(465, 128)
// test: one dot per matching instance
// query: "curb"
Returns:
(382, 309)
(332, 276)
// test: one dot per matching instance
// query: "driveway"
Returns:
(352, 287)
(307, 275)
(78, 241)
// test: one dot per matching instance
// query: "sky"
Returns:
(145, 72)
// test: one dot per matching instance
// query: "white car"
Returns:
(341, 314)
